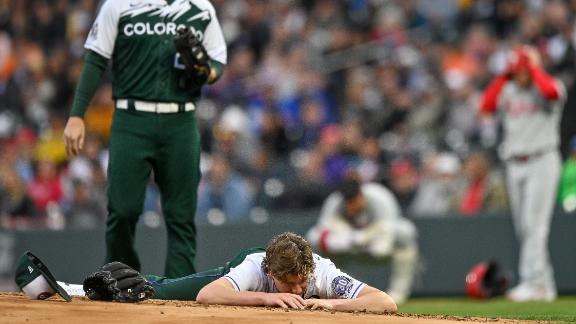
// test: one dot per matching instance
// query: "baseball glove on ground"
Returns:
(195, 59)
(116, 281)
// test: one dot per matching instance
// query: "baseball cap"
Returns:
(35, 280)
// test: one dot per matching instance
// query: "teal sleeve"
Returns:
(187, 288)
(219, 67)
(94, 66)
(184, 288)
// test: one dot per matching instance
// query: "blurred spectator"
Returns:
(273, 135)
(98, 117)
(437, 186)
(48, 24)
(403, 182)
(84, 210)
(50, 145)
(22, 153)
(307, 130)
(233, 139)
(91, 161)
(335, 162)
(46, 187)
(481, 188)
(86, 185)
(233, 86)
(370, 159)
(255, 27)
(307, 188)
(14, 200)
(224, 195)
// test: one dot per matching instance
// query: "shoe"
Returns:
(526, 292)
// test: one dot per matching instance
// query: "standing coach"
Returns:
(162, 53)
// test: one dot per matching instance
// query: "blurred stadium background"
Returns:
(313, 89)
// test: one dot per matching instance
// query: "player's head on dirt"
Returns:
(289, 261)
(354, 200)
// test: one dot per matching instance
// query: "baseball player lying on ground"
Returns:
(286, 274)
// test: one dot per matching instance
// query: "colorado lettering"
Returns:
(159, 28)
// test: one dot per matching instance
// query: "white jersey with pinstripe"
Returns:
(531, 124)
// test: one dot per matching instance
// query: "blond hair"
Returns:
(288, 254)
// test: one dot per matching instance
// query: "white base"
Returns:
(72, 289)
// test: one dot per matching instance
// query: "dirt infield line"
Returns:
(16, 308)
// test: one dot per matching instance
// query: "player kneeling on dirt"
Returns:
(285, 274)
(365, 219)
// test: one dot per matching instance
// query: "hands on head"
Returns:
(522, 58)
(533, 55)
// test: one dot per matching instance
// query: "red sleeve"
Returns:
(323, 244)
(490, 96)
(545, 83)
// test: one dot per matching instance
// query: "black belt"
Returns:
(523, 158)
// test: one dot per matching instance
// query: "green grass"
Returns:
(562, 310)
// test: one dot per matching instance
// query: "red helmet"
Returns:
(485, 281)
(518, 59)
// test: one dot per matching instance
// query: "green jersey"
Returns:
(138, 36)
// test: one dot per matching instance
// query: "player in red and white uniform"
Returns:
(529, 103)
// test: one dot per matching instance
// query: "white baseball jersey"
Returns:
(378, 222)
(531, 124)
(381, 207)
(327, 281)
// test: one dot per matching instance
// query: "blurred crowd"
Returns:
(313, 91)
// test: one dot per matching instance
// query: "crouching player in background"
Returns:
(366, 218)
(285, 274)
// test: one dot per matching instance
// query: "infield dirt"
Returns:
(17, 308)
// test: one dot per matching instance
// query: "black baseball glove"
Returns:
(195, 59)
(116, 281)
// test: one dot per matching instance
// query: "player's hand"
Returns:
(285, 300)
(318, 304)
(533, 55)
(74, 133)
